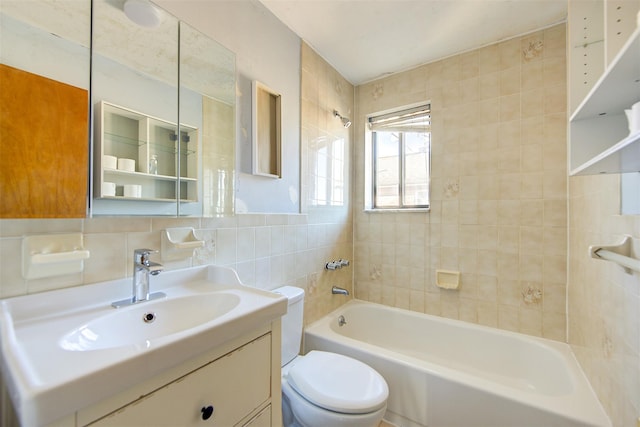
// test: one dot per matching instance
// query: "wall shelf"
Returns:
(599, 137)
(128, 134)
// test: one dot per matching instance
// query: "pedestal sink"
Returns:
(67, 349)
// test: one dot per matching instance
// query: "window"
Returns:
(328, 164)
(398, 159)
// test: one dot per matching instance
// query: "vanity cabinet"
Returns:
(239, 387)
(139, 157)
(604, 80)
(221, 393)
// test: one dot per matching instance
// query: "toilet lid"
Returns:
(338, 383)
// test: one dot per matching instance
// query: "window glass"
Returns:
(400, 159)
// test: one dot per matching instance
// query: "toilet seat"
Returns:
(338, 383)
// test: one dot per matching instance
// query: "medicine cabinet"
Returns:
(164, 102)
(604, 56)
(157, 77)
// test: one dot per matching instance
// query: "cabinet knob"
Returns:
(207, 411)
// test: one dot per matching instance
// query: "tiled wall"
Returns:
(498, 202)
(604, 301)
(266, 250)
(323, 90)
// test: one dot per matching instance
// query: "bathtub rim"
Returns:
(561, 405)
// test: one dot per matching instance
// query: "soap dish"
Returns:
(446, 279)
(179, 243)
(52, 255)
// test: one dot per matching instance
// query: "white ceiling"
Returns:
(368, 39)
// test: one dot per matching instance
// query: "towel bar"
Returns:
(621, 254)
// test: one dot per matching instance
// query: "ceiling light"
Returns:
(143, 13)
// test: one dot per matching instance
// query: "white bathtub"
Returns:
(448, 373)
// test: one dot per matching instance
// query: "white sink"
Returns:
(140, 324)
(67, 349)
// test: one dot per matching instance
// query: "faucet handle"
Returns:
(142, 255)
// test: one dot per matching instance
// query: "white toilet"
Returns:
(323, 389)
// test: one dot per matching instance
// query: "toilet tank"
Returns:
(291, 322)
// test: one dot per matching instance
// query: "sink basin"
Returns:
(137, 325)
(65, 350)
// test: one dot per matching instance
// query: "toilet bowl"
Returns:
(321, 388)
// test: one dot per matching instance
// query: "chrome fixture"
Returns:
(339, 291)
(345, 121)
(341, 320)
(334, 265)
(142, 269)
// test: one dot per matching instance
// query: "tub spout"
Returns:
(340, 291)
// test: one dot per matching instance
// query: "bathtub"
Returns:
(448, 373)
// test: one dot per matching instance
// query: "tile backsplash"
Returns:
(267, 250)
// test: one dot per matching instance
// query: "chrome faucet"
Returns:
(340, 291)
(143, 267)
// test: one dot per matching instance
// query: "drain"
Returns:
(341, 321)
(149, 317)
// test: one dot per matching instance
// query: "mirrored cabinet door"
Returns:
(44, 104)
(163, 95)
(207, 102)
(137, 150)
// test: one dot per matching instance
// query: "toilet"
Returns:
(321, 388)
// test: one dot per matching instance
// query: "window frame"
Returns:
(371, 149)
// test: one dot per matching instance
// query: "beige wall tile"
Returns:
(603, 302)
(498, 184)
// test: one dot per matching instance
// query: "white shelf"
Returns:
(127, 134)
(599, 140)
(623, 157)
(147, 175)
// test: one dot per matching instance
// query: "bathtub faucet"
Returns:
(340, 291)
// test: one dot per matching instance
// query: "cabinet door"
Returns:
(263, 419)
(233, 386)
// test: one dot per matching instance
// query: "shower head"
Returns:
(345, 121)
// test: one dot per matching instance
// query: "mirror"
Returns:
(135, 110)
(208, 91)
(164, 117)
(44, 144)
(176, 150)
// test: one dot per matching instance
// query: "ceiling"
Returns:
(368, 39)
